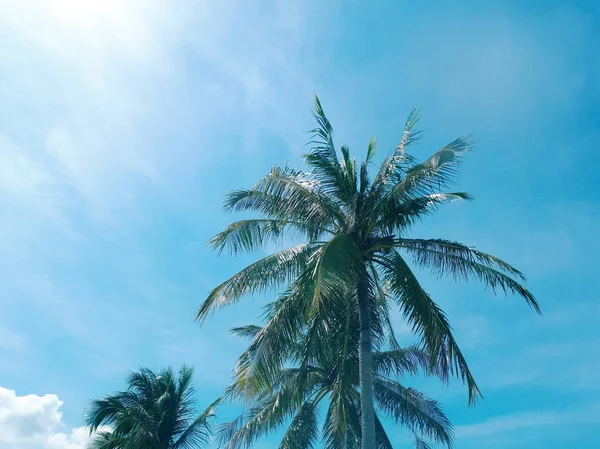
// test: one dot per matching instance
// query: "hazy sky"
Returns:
(124, 122)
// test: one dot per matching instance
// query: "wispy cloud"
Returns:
(512, 428)
(107, 82)
(114, 110)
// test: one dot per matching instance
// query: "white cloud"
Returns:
(514, 422)
(35, 422)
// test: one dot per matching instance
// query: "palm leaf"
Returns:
(289, 195)
(303, 431)
(412, 408)
(261, 276)
(421, 444)
(382, 439)
(107, 440)
(427, 319)
(248, 331)
(392, 167)
(450, 258)
(396, 215)
(401, 361)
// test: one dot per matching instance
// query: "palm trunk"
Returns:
(367, 411)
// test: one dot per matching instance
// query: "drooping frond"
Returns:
(197, 434)
(253, 234)
(303, 431)
(421, 444)
(412, 408)
(259, 364)
(426, 319)
(397, 215)
(259, 420)
(106, 411)
(444, 258)
(337, 264)
(402, 361)
(325, 367)
(263, 275)
(341, 429)
(248, 331)
(382, 439)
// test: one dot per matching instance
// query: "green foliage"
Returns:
(320, 367)
(155, 412)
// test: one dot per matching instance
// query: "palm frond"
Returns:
(303, 431)
(322, 158)
(397, 215)
(107, 440)
(412, 408)
(365, 181)
(338, 263)
(104, 412)
(261, 276)
(248, 331)
(382, 439)
(421, 444)
(253, 234)
(401, 361)
(323, 133)
(394, 165)
(341, 428)
(258, 365)
(258, 421)
(286, 194)
(197, 434)
(427, 320)
(462, 262)
(435, 174)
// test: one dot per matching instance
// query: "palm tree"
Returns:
(155, 412)
(355, 230)
(325, 371)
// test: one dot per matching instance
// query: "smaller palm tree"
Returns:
(321, 372)
(156, 411)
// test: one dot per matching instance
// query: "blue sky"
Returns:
(124, 123)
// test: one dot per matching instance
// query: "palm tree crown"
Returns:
(155, 412)
(355, 229)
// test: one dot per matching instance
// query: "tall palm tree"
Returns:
(155, 412)
(355, 230)
(323, 372)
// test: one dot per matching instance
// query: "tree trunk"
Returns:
(366, 367)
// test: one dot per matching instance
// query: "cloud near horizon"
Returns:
(35, 422)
